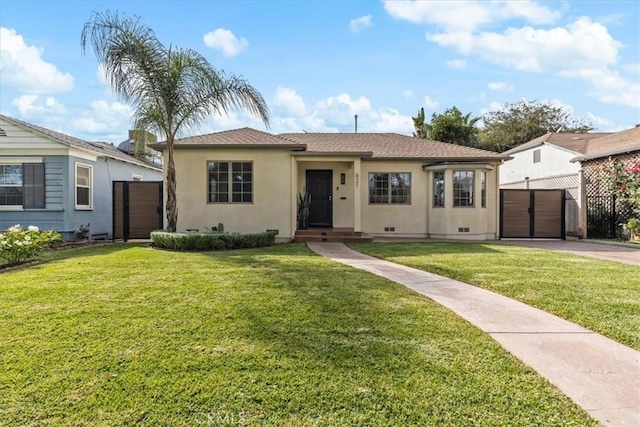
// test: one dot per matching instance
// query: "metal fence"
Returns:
(606, 216)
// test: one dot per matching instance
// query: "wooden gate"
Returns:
(137, 209)
(532, 214)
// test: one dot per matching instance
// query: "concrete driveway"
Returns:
(609, 252)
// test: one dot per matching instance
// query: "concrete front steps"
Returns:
(339, 235)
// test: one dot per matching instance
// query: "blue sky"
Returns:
(317, 63)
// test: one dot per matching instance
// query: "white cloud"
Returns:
(408, 94)
(391, 120)
(583, 50)
(583, 44)
(457, 63)
(22, 67)
(341, 109)
(36, 106)
(290, 101)
(430, 104)
(468, 15)
(104, 120)
(501, 87)
(359, 24)
(602, 124)
(225, 41)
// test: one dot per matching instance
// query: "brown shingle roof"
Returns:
(375, 145)
(617, 143)
(100, 148)
(576, 142)
(236, 137)
(387, 145)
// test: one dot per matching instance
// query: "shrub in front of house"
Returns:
(18, 245)
(210, 241)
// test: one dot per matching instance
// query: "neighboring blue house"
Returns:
(55, 181)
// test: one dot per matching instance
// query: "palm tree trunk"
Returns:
(172, 207)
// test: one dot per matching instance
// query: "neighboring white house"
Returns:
(546, 163)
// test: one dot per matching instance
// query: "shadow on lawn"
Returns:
(319, 312)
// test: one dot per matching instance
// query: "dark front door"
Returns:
(319, 186)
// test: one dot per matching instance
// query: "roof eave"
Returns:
(605, 154)
(361, 154)
(162, 147)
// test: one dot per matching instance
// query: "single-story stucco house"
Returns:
(381, 184)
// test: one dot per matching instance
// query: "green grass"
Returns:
(124, 335)
(603, 296)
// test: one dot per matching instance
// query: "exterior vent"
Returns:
(3, 132)
(389, 229)
(463, 229)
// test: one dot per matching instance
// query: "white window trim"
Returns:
(136, 177)
(75, 187)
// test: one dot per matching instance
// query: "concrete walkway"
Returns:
(599, 374)
(609, 252)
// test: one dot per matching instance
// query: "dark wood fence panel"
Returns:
(548, 216)
(514, 218)
(137, 209)
(118, 210)
(532, 214)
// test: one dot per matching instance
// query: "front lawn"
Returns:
(124, 335)
(603, 296)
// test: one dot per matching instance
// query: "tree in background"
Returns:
(421, 130)
(454, 127)
(170, 89)
(515, 124)
(451, 126)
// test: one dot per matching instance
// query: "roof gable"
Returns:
(574, 142)
(99, 148)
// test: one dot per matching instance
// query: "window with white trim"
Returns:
(84, 186)
(390, 188)
(230, 178)
(463, 188)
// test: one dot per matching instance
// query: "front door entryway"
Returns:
(319, 186)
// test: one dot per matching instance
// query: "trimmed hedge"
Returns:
(210, 241)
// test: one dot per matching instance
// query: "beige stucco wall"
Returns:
(408, 220)
(279, 177)
(482, 222)
(272, 192)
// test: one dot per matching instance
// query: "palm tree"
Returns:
(170, 89)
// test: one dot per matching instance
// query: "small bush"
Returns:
(18, 245)
(210, 241)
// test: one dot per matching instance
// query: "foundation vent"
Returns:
(463, 229)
